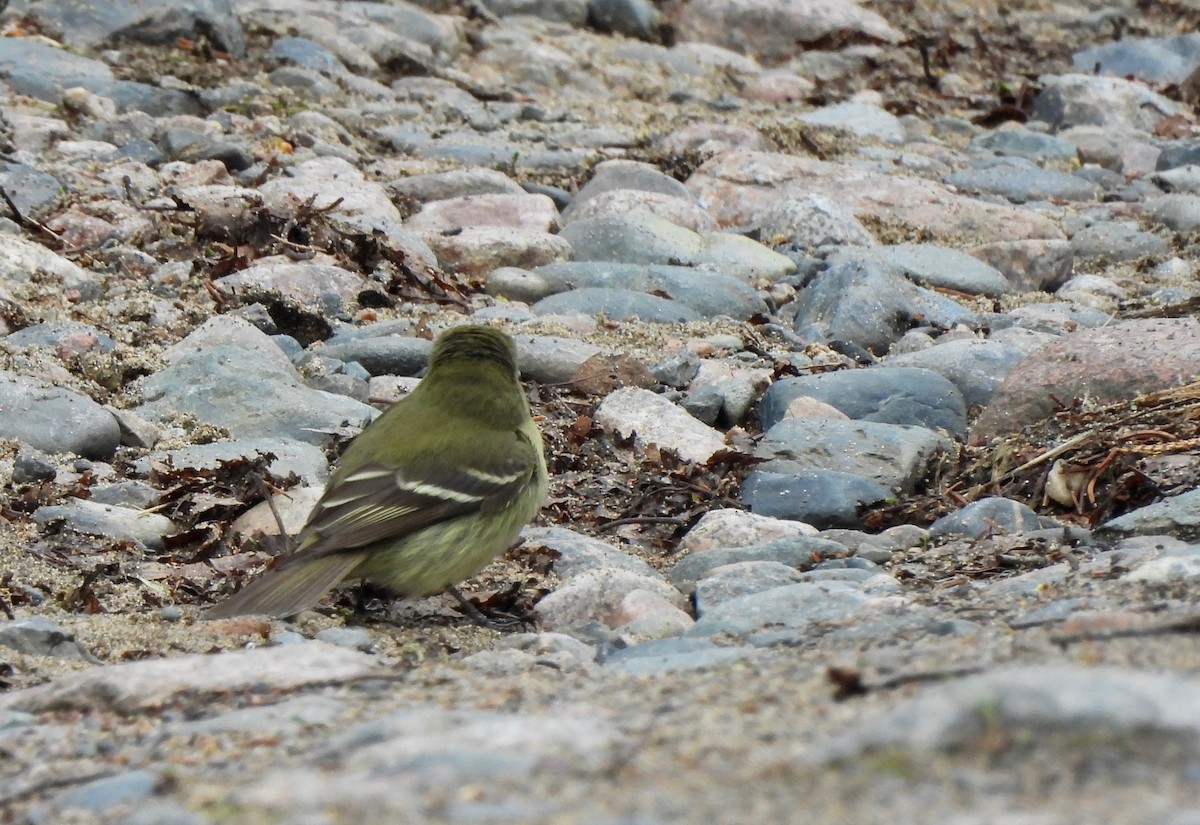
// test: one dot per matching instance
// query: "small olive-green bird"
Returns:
(428, 494)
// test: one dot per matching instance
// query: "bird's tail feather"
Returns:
(287, 590)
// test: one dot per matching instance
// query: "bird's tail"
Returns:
(287, 590)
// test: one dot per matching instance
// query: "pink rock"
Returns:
(808, 407)
(598, 595)
(710, 138)
(738, 528)
(647, 608)
(737, 186)
(774, 29)
(1104, 364)
(476, 252)
(679, 211)
(535, 213)
(778, 87)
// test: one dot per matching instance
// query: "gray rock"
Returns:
(1153, 59)
(938, 266)
(390, 355)
(303, 52)
(897, 456)
(862, 302)
(704, 403)
(51, 334)
(133, 687)
(985, 516)
(625, 174)
(794, 607)
(455, 183)
(822, 498)
(1029, 266)
(617, 304)
(549, 359)
(865, 120)
(677, 369)
(976, 367)
(108, 521)
(1178, 153)
(810, 221)
(571, 12)
(54, 419)
(32, 465)
(142, 21)
(1084, 703)
(739, 579)
(123, 789)
(661, 656)
(354, 638)
(1180, 213)
(578, 553)
(1179, 179)
(795, 552)
(704, 289)
(1177, 516)
(250, 397)
(632, 18)
(1117, 241)
(1021, 142)
(642, 238)
(1085, 99)
(33, 191)
(890, 395)
(43, 72)
(1021, 184)
(38, 636)
(291, 456)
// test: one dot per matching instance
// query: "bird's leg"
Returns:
(493, 622)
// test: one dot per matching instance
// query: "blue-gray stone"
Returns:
(1020, 184)
(1024, 143)
(939, 266)
(1177, 516)
(250, 396)
(390, 355)
(101, 794)
(303, 52)
(731, 581)
(632, 18)
(1118, 242)
(38, 636)
(626, 174)
(976, 367)
(578, 553)
(54, 419)
(669, 655)
(50, 334)
(891, 395)
(37, 70)
(986, 515)
(822, 498)
(33, 191)
(896, 456)
(108, 25)
(794, 607)
(617, 304)
(704, 289)
(1153, 59)
(797, 552)
(860, 301)
(1178, 153)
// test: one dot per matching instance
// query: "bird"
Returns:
(427, 494)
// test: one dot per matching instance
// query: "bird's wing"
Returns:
(374, 503)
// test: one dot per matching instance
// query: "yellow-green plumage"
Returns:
(428, 494)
